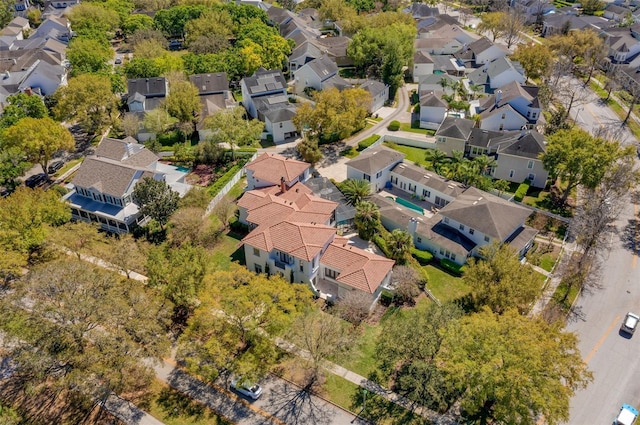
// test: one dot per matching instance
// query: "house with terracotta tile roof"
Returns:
(293, 232)
(269, 169)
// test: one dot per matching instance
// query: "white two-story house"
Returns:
(374, 166)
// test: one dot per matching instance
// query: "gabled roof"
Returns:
(148, 87)
(374, 87)
(493, 69)
(281, 114)
(482, 138)
(357, 268)
(324, 188)
(376, 159)
(422, 57)
(210, 83)
(477, 47)
(421, 10)
(506, 108)
(271, 167)
(457, 128)
(336, 81)
(528, 144)
(323, 67)
(108, 177)
(279, 15)
(263, 81)
(432, 99)
(127, 151)
(429, 179)
(489, 214)
(514, 90)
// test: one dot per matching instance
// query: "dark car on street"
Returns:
(35, 180)
(55, 166)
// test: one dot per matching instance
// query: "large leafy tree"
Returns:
(93, 20)
(406, 350)
(336, 114)
(87, 99)
(86, 330)
(367, 219)
(6, 12)
(271, 50)
(39, 139)
(136, 22)
(12, 166)
(156, 199)
(25, 219)
(578, 158)
(232, 127)
(512, 369)
(88, 55)
(183, 103)
(172, 21)
(22, 105)
(536, 59)
(211, 25)
(500, 282)
(239, 314)
(493, 23)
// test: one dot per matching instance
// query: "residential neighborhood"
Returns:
(319, 212)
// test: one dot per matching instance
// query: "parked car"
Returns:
(118, 60)
(627, 416)
(35, 180)
(4, 193)
(55, 166)
(630, 323)
(246, 388)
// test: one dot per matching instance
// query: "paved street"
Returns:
(614, 358)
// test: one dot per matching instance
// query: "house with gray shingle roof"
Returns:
(319, 74)
(497, 73)
(422, 65)
(379, 92)
(452, 134)
(104, 183)
(432, 109)
(374, 166)
(479, 52)
(214, 94)
(146, 94)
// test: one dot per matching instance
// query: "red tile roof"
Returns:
(302, 240)
(358, 268)
(271, 167)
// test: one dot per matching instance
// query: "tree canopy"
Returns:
(183, 102)
(512, 369)
(88, 55)
(39, 139)
(536, 59)
(21, 105)
(155, 199)
(232, 127)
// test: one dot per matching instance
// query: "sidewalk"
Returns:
(554, 280)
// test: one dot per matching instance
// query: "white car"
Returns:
(627, 416)
(630, 323)
(246, 388)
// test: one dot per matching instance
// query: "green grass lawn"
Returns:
(415, 155)
(411, 129)
(67, 166)
(547, 261)
(361, 358)
(174, 408)
(444, 286)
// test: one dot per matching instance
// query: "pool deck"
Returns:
(429, 208)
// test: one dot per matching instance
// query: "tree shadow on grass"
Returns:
(378, 409)
(175, 405)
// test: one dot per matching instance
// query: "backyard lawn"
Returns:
(415, 155)
(444, 286)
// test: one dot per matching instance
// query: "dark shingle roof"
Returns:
(322, 187)
(375, 160)
(210, 83)
(148, 87)
(433, 99)
(458, 128)
(263, 81)
(528, 144)
(429, 179)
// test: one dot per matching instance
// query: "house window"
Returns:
(256, 252)
(471, 231)
(531, 177)
(534, 115)
(379, 174)
(442, 139)
(503, 115)
(453, 256)
(280, 125)
(461, 227)
(330, 273)
(446, 220)
(301, 267)
(486, 238)
(258, 268)
(501, 127)
(366, 177)
(426, 193)
(419, 240)
(530, 164)
(511, 173)
(441, 251)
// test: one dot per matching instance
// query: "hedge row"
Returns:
(382, 244)
(453, 268)
(222, 181)
(363, 144)
(522, 191)
(423, 257)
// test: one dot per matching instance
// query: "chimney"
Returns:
(283, 185)
(498, 97)
(413, 226)
(27, 91)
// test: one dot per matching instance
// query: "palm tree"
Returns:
(484, 164)
(355, 190)
(399, 243)
(367, 219)
(437, 158)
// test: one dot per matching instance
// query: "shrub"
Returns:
(382, 244)
(394, 126)
(522, 191)
(416, 109)
(386, 297)
(363, 144)
(239, 228)
(453, 268)
(222, 181)
(423, 257)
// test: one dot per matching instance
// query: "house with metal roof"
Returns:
(102, 187)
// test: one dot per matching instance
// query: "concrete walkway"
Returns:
(554, 280)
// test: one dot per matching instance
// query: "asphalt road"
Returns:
(613, 357)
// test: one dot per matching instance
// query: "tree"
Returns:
(590, 7)
(196, 197)
(224, 210)
(12, 166)
(399, 243)
(354, 307)
(190, 226)
(183, 102)
(25, 217)
(335, 116)
(136, 22)
(158, 120)
(87, 99)
(233, 128)
(355, 190)
(512, 369)
(407, 284)
(39, 139)
(78, 236)
(512, 25)
(155, 199)
(94, 21)
(437, 158)
(130, 125)
(239, 314)
(500, 282)
(367, 219)
(22, 105)
(310, 151)
(406, 350)
(85, 330)
(126, 254)
(323, 336)
(577, 158)
(172, 21)
(179, 274)
(493, 23)
(88, 55)
(6, 12)
(536, 59)
(214, 25)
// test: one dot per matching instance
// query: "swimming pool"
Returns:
(407, 204)
(183, 169)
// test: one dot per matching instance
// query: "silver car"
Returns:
(630, 323)
(246, 388)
